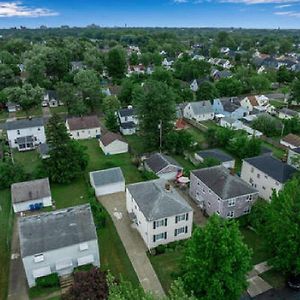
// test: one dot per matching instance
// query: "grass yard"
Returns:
(99, 161)
(274, 278)
(185, 163)
(36, 112)
(59, 110)
(6, 222)
(166, 267)
(38, 292)
(277, 104)
(137, 143)
(255, 243)
(279, 153)
(3, 114)
(113, 256)
(29, 159)
(196, 134)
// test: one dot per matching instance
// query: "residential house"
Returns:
(113, 143)
(287, 114)
(31, 195)
(25, 134)
(224, 50)
(50, 99)
(159, 212)
(163, 166)
(128, 120)
(255, 102)
(57, 242)
(196, 84)
(12, 107)
(136, 69)
(229, 108)
(222, 157)
(266, 173)
(77, 65)
(199, 111)
(294, 158)
(167, 63)
(291, 141)
(217, 75)
(86, 127)
(107, 181)
(217, 191)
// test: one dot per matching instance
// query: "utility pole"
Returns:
(160, 135)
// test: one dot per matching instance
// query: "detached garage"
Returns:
(108, 181)
(31, 195)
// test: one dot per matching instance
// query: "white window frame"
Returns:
(179, 231)
(159, 236)
(159, 223)
(231, 202)
(38, 257)
(83, 246)
(230, 214)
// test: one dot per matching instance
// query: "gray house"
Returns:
(57, 242)
(225, 159)
(216, 190)
(266, 173)
(163, 166)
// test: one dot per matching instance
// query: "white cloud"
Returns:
(250, 2)
(283, 6)
(288, 13)
(180, 1)
(17, 9)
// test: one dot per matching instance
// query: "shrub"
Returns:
(84, 268)
(146, 175)
(51, 280)
(161, 249)
(98, 213)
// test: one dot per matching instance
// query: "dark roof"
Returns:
(272, 166)
(127, 112)
(86, 122)
(155, 201)
(108, 176)
(43, 149)
(229, 106)
(128, 125)
(217, 154)
(25, 123)
(222, 183)
(296, 150)
(52, 94)
(289, 112)
(30, 190)
(157, 161)
(110, 137)
(55, 230)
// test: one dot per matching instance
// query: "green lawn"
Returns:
(3, 114)
(59, 109)
(37, 112)
(166, 267)
(279, 153)
(256, 244)
(29, 159)
(185, 163)
(37, 292)
(137, 143)
(99, 161)
(274, 278)
(277, 104)
(6, 222)
(196, 134)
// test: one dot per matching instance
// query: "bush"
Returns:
(98, 213)
(84, 268)
(51, 280)
(146, 175)
(161, 249)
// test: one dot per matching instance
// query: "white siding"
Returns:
(116, 147)
(24, 206)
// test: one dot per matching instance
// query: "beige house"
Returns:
(266, 174)
(113, 143)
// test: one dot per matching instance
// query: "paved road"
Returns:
(17, 279)
(115, 204)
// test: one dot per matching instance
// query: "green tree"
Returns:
(111, 121)
(178, 142)
(155, 103)
(68, 158)
(295, 91)
(94, 59)
(259, 83)
(111, 104)
(7, 76)
(268, 125)
(281, 229)
(207, 91)
(284, 75)
(126, 92)
(216, 261)
(11, 173)
(116, 63)
(228, 87)
(87, 82)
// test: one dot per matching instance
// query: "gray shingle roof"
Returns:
(155, 201)
(86, 122)
(128, 125)
(108, 176)
(201, 107)
(44, 149)
(30, 190)
(222, 183)
(217, 154)
(55, 230)
(157, 161)
(289, 112)
(109, 137)
(25, 123)
(127, 112)
(272, 166)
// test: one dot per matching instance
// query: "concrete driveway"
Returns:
(115, 204)
(17, 279)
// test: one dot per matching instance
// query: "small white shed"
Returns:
(108, 181)
(30, 195)
(112, 143)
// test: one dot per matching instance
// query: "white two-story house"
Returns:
(160, 214)
(266, 173)
(199, 111)
(25, 134)
(128, 120)
(57, 242)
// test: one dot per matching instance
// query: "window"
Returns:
(263, 187)
(266, 176)
(160, 223)
(203, 190)
(276, 182)
(181, 230)
(209, 191)
(258, 175)
(247, 210)
(249, 198)
(179, 218)
(230, 214)
(38, 258)
(231, 202)
(77, 133)
(218, 213)
(39, 129)
(160, 236)
(83, 246)
(18, 131)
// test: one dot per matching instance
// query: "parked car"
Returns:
(294, 282)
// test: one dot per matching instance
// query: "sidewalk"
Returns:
(115, 204)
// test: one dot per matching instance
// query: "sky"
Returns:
(152, 13)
